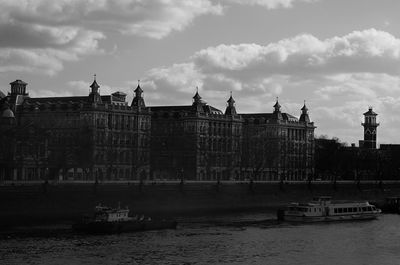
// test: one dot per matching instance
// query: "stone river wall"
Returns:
(36, 203)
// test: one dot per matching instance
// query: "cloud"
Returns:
(339, 77)
(151, 18)
(39, 36)
(270, 4)
(360, 51)
(60, 31)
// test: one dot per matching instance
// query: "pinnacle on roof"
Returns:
(138, 88)
(231, 100)
(304, 108)
(277, 106)
(197, 97)
(94, 85)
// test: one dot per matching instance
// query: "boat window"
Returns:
(345, 210)
(354, 209)
(369, 208)
(335, 210)
(364, 209)
(340, 210)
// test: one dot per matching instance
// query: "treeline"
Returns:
(335, 160)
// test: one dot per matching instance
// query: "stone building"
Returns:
(102, 137)
(79, 138)
(201, 142)
(278, 146)
(196, 142)
(7, 139)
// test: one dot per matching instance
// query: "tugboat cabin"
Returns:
(107, 214)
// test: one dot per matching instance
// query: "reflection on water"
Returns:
(220, 240)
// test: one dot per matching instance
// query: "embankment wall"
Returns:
(66, 202)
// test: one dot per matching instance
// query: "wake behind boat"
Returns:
(323, 209)
(116, 220)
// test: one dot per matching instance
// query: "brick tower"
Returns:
(370, 129)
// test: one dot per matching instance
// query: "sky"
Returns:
(340, 56)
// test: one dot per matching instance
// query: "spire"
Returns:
(277, 107)
(138, 91)
(138, 100)
(94, 96)
(196, 97)
(304, 114)
(230, 109)
(198, 104)
(231, 101)
(94, 86)
(304, 109)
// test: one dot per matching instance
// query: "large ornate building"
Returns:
(201, 142)
(101, 137)
(278, 146)
(197, 142)
(76, 138)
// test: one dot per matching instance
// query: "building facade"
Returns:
(200, 142)
(196, 142)
(78, 138)
(278, 146)
(102, 137)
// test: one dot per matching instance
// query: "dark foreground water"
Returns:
(218, 240)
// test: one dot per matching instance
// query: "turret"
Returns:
(370, 129)
(197, 102)
(277, 110)
(18, 87)
(230, 108)
(304, 114)
(6, 114)
(94, 95)
(138, 100)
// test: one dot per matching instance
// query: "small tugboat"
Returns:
(107, 220)
(322, 209)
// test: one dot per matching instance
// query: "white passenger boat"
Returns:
(323, 209)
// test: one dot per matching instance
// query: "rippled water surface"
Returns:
(219, 240)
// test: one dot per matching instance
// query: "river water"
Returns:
(228, 239)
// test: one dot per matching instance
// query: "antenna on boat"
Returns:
(119, 205)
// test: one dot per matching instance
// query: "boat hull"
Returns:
(122, 227)
(332, 218)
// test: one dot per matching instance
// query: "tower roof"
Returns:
(277, 106)
(18, 82)
(370, 112)
(196, 96)
(94, 85)
(138, 88)
(304, 108)
(231, 100)
(230, 109)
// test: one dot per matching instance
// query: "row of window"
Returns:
(353, 209)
